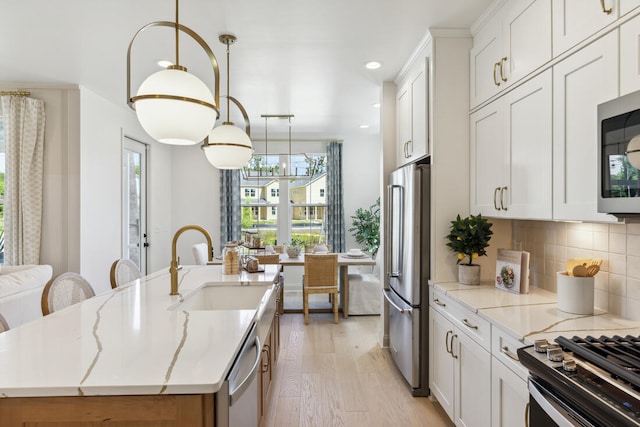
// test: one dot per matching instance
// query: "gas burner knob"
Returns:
(569, 364)
(555, 354)
(540, 346)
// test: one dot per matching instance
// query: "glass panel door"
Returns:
(134, 239)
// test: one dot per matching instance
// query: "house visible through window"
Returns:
(300, 215)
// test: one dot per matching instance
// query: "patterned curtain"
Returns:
(24, 122)
(230, 213)
(335, 207)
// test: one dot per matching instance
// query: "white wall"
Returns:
(103, 125)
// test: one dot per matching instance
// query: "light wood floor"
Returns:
(337, 375)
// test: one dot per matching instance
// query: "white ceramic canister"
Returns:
(575, 294)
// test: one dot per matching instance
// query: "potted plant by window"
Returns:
(294, 248)
(366, 227)
(468, 238)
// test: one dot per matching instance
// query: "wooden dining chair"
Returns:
(4, 326)
(268, 259)
(320, 277)
(65, 290)
(123, 271)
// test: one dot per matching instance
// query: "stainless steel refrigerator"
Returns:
(407, 266)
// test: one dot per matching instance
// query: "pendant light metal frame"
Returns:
(228, 40)
(212, 58)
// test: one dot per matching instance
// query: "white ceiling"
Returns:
(301, 57)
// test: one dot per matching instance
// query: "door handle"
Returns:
(247, 380)
(502, 190)
(437, 301)
(469, 325)
(604, 8)
(495, 79)
(446, 341)
(385, 292)
(495, 198)
(504, 349)
(455, 356)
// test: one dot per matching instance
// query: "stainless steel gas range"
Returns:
(584, 381)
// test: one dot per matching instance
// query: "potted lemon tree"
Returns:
(468, 238)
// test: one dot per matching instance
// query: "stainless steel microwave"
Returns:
(618, 180)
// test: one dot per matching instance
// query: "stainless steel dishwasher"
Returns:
(237, 400)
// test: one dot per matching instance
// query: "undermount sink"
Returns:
(225, 297)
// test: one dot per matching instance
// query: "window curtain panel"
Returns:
(230, 212)
(24, 122)
(335, 206)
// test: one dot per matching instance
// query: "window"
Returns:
(249, 192)
(300, 214)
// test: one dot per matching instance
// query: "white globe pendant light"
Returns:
(228, 146)
(172, 105)
(175, 107)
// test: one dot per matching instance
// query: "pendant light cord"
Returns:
(228, 93)
(177, 36)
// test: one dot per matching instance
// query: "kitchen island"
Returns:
(130, 355)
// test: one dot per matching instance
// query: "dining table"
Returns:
(344, 261)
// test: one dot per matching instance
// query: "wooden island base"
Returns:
(116, 411)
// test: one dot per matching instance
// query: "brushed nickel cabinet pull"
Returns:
(437, 301)
(495, 198)
(604, 8)
(468, 324)
(446, 341)
(502, 61)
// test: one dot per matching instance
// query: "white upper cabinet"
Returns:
(575, 20)
(504, 51)
(581, 82)
(412, 116)
(627, 6)
(511, 149)
(630, 56)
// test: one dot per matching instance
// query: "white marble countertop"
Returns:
(127, 342)
(527, 317)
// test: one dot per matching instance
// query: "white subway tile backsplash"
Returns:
(618, 245)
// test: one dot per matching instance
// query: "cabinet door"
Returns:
(509, 397)
(581, 82)
(440, 361)
(529, 135)
(575, 20)
(630, 56)
(484, 59)
(419, 115)
(488, 159)
(627, 6)
(472, 383)
(403, 124)
(524, 53)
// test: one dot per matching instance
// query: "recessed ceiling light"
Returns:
(164, 63)
(376, 105)
(364, 126)
(373, 65)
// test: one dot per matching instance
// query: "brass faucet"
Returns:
(175, 261)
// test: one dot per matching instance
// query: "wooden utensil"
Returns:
(579, 270)
(592, 270)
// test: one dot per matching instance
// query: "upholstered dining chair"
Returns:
(320, 277)
(4, 326)
(64, 290)
(123, 271)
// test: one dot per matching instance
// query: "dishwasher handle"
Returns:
(237, 392)
(386, 292)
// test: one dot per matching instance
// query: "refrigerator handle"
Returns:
(385, 292)
(396, 219)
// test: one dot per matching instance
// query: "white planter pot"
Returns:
(469, 274)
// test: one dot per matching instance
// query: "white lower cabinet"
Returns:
(460, 364)
(509, 392)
